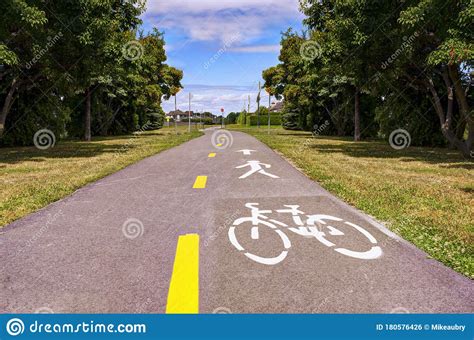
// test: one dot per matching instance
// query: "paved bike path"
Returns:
(73, 256)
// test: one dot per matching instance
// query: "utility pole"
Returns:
(176, 115)
(189, 113)
(222, 118)
(269, 104)
(258, 105)
(248, 113)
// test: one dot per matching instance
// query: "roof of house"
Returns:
(175, 113)
(185, 113)
(276, 107)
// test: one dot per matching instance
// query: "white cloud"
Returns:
(207, 20)
(256, 49)
(199, 6)
(212, 98)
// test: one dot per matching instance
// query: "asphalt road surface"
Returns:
(208, 228)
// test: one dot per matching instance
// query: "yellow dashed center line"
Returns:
(212, 155)
(200, 182)
(183, 295)
(219, 145)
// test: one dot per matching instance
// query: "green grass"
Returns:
(425, 195)
(31, 179)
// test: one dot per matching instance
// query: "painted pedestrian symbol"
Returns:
(246, 152)
(256, 167)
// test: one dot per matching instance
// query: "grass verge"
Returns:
(32, 179)
(425, 195)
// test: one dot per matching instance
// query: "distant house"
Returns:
(177, 115)
(183, 116)
(193, 114)
(277, 107)
(180, 116)
(210, 115)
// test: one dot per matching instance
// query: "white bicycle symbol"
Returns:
(312, 228)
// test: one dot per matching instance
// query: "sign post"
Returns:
(258, 105)
(222, 118)
(269, 105)
(175, 114)
(189, 113)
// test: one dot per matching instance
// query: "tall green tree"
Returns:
(84, 66)
(22, 34)
(93, 42)
(383, 60)
(442, 62)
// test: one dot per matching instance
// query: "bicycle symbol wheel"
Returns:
(320, 221)
(255, 235)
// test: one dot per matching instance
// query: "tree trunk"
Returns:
(7, 105)
(446, 120)
(87, 118)
(357, 115)
(461, 128)
(466, 112)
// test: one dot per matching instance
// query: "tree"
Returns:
(443, 55)
(232, 117)
(353, 41)
(21, 34)
(101, 75)
(94, 43)
(382, 60)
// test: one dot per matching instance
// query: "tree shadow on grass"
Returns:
(468, 190)
(68, 149)
(378, 149)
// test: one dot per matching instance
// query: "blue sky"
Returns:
(222, 46)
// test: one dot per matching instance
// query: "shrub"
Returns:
(290, 121)
(275, 119)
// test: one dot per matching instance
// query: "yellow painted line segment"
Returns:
(212, 155)
(183, 295)
(219, 145)
(200, 182)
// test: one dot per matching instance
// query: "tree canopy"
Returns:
(371, 67)
(80, 68)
